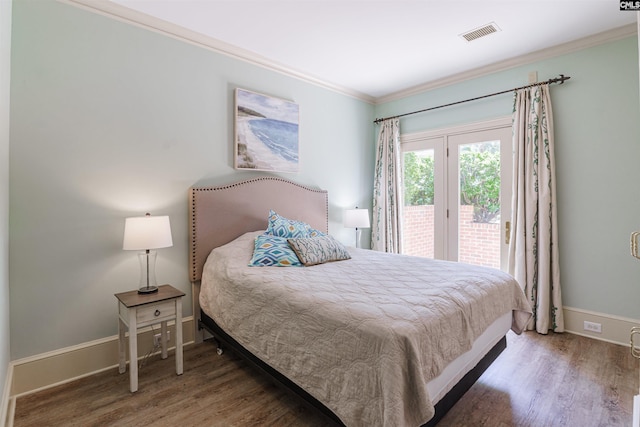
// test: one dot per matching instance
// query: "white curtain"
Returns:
(533, 251)
(386, 232)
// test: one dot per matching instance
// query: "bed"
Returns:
(395, 348)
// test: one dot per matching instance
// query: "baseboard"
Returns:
(46, 370)
(615, 329)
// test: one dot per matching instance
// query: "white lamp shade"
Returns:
(356, 218)
(147, 232)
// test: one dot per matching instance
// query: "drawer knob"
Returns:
(157, 313)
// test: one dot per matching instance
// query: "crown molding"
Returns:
(139, 19)
(561, 49)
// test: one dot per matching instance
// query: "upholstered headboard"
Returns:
(217, 215)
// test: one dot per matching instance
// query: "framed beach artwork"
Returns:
(266, 133)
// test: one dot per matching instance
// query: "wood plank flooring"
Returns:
(554, 380)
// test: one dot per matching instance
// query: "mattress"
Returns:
(455, 370)
(373, 337)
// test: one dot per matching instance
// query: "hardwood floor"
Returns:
(553, 380)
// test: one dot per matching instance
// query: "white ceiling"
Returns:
(376, 48)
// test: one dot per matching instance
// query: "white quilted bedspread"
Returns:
(363, 336)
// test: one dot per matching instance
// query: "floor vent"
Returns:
(480, 32)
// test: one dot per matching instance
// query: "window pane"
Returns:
(418, 215)
(479, 209)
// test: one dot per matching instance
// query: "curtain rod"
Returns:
(560, 80)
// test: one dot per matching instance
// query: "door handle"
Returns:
(507, 232)
(635, 352)
(634, 244)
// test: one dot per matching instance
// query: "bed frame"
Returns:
(218, 215)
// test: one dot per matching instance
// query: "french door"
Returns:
(457, 193)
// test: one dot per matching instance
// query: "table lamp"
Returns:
(144, 233)
(358, 219)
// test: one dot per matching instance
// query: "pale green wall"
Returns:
(5, 68)
(597, 152)
(110, 120)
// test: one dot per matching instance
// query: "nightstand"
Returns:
(139, 310)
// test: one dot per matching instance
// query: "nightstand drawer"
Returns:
(156, 311)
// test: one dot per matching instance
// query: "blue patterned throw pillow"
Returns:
(273, 251)
(318, 250)
(288, 228)
(315, 233)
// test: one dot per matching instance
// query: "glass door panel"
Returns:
(479, 203)
(480, 196)
(418, 226)
(424, 213)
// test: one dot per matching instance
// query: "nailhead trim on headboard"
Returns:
(196, 265)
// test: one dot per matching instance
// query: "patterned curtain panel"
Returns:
(387, 190)
(533, 251)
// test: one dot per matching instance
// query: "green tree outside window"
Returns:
(479, 180)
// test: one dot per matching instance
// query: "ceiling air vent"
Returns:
(480, 32)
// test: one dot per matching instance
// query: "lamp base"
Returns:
(148, 282)
(148, 290)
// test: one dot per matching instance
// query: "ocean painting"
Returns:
(266, 133)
